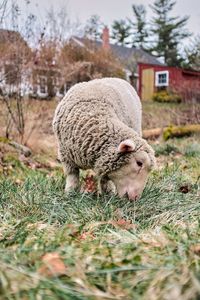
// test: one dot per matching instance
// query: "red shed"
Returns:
(153, 78)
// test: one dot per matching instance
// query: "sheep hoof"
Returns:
(70, 191)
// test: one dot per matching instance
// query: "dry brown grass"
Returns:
(39, 114)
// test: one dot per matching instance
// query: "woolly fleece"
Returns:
(91, 121)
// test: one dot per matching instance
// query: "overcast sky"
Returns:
(110, 10)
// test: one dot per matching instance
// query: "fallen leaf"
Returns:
(196, 249)
(18, 181)
(73, 230)
(53, 265)
(85, 235)
(37, 225)
(184, 189)
(124, 224)
(89, 184)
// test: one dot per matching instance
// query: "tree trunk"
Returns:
(171, 131)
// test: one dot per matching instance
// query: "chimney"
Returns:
(105, 38)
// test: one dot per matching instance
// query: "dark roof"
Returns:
(191, 72)
(141, 55)
(128, 56)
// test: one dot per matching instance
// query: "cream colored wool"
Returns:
(92, 120)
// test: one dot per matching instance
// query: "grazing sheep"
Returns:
(98, 126)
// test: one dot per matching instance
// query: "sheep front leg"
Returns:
(71, 170)
(72, 182)
(72, 178)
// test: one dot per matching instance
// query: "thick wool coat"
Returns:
(93, 119)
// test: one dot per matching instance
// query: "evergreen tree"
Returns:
(140, 32)
(192, 55)
(94, 27)
(121, 32)
(168, 31)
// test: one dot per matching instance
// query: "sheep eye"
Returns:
(139, 163)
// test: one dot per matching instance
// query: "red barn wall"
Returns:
(184, 82)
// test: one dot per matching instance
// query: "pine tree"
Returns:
(121, 32)
(168, 31)
(93, 28)
(192, 55)
(140, 32)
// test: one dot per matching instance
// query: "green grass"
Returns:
(156, 255)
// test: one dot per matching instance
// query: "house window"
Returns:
(162, 78)
(43, 84)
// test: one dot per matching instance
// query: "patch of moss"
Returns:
(4, 140)
(180, 131)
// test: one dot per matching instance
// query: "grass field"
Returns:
(54, 246)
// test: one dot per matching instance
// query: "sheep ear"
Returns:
(126, 146)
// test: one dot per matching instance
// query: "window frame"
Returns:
(41, 85)
(160, 84)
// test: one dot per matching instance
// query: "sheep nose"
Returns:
(133, 197)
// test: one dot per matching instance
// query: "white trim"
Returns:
(42, 95)
(157, 83)
(79, 43)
